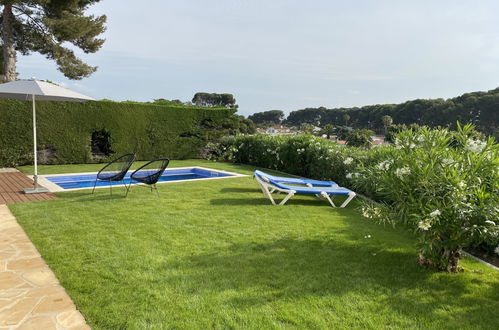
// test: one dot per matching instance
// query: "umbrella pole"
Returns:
(35, 188)
(35, 155)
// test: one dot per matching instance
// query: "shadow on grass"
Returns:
(328, 269)
(310, 201)
(239, 190)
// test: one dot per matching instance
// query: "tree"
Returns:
(346, 118)
(46, 27)
(214, 100)
(271, 117)
(387, 122)
(360, 138)
(328, 130)
(307, 128)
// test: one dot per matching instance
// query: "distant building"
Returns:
(276, 130)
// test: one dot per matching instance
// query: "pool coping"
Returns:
(52, 187)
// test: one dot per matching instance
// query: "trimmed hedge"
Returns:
(65, 128)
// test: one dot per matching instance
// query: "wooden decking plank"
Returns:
(11, 189)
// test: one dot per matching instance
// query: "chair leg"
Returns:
(350, 197)
(288, 196)
(127, 188)
(95, 183)
(326, 197)
(157, 192)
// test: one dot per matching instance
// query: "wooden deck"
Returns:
(11, 189)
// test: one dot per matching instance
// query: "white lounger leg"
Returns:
(326, 197)
(267, 193)
(350, 197)
(288, 196)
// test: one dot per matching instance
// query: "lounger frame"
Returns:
(268, 189)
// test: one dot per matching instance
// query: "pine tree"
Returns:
(46, 26)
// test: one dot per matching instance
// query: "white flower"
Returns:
(420, 138)
(367, 236)
(435, 213)
(424, 225)
(497, 250)
(412, 145)
(398, 147)
(348, 161)
(402, 171)
(385, 165)
(348, 176)
(461, 184)
(475, 145)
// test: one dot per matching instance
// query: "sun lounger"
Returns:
(298, 181)
(270, 186)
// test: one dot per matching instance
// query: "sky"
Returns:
(289, 54)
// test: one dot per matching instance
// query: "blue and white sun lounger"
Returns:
(270, 186)
(299, 181)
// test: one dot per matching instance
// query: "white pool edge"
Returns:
(52, 187)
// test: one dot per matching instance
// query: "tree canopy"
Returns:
(214, 100)
(271, 117)
(478, 108)
(47, 27)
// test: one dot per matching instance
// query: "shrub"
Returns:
(443, 184)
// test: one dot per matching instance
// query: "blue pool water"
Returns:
(73, 181)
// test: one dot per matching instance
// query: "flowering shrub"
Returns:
(447, 191)
(303, 155)
(444, 184)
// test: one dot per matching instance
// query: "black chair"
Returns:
(150, 173)
(115, 171)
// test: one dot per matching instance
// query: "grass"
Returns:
(216, 254)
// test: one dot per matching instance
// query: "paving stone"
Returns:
(16, 313)
(45, 291)
(53, 304)
(40, 277)
(81, 327)
(9, 280)
(5, 302)
(7, 254)
(44, 322)
(70, 319)
(25, 264)
(12, 293)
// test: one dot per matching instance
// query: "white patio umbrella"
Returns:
(41, 91)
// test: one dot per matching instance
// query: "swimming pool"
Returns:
(62, 182)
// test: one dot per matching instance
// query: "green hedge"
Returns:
(150, 130)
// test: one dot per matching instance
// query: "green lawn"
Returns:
(216, 254)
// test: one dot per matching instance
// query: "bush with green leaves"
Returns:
(441, 183)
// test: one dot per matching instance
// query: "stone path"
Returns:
(30, 294)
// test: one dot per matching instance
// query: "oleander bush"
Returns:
(444, 184)
(66, 129)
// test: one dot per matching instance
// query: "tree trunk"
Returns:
(9, 51)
